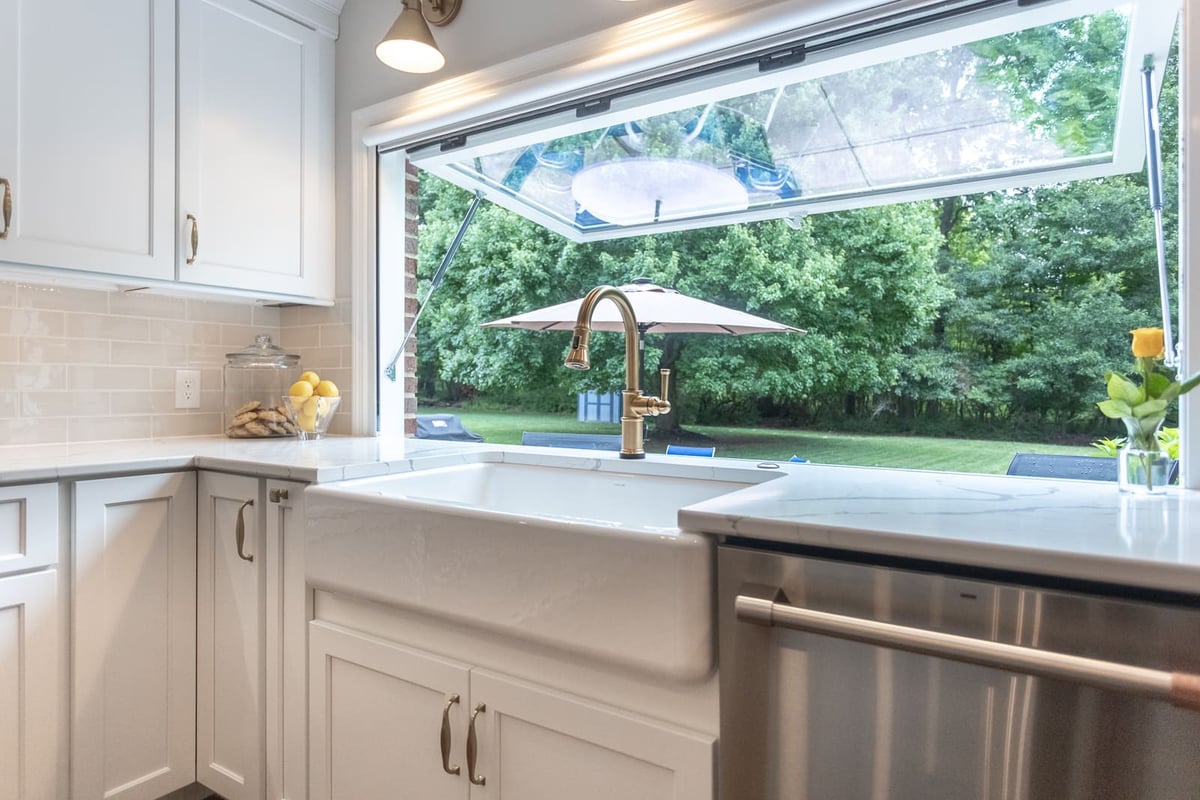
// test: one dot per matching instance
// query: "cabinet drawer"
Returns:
(28, 527)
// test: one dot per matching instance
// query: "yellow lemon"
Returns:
(327, 389)
(307, 424)
(311, 377)
(301, 389)
(311, 406)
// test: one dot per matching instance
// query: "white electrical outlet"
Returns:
(187, 388)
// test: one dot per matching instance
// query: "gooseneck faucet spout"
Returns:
(634, 405)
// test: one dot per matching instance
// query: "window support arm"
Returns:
(1154, 179)
(390, 370)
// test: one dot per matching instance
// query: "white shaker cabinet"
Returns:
(383, 715)
(255, 150)
(230, 744)
(133, 636)
(288, 608)
(251, 628)
(29, 629)
(379, 715)
(87, 135)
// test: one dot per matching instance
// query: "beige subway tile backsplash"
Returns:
(31, 322)
(143, 305)
(109, 326)
(84, 365)
(33, 378)
(65, 404)
(186, 424)
(213, 311)
(60, 299)
(22, 430)
(97, 429)
(10, 404)
(44, 350)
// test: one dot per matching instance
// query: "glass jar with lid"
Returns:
(256, 379)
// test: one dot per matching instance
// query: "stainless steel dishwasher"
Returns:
(808, 715)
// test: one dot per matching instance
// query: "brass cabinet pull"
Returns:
(446, 768)
(241, 532)
(7, 207)
(195, 238)
(275, 495)
(473, 748)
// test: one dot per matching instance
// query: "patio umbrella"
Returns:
(658, 310)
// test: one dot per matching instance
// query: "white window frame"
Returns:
(686, 33)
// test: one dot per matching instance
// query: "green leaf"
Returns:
(1123, 389)
(1157, 384)
(1151, 408)
(1115, 409)
(1170, 392)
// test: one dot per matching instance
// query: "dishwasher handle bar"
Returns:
(767, 605)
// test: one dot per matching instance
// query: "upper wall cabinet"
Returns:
(255, 150)
(87, 135)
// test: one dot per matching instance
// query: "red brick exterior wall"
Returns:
(410, 296)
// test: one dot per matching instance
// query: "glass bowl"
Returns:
(311, 414)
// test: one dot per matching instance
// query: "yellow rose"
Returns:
(1147, 342)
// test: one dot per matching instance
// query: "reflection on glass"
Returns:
(988, 108)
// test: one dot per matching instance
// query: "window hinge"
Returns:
(453, 143)
(589, 107)
(782, 58)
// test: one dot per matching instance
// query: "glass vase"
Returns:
(1143, 471)
(1143, 467)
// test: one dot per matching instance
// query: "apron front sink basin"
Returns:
(583, 556)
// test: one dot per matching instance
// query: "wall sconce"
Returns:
(409, 45)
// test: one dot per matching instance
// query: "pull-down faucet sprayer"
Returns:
(634, 405)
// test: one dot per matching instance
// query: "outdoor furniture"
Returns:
(684, 450)
(1042, 465)
(445, 428)
(584, 441)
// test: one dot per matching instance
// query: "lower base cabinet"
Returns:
(251, 624)
(133, 723)
(29, 701)
(382, 715)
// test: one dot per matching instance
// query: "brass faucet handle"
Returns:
(665, 383)
(650, 406)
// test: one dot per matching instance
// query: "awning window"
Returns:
(986, 97)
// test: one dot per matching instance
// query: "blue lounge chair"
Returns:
(584, 441)
(683, 450)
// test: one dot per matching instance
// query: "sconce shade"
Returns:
(409, 45)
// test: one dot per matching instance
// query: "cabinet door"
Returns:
(376, 716)
(87, 134)
(133, 704)
(288, 610)
(229, 637)
(255, 154)
(538, 744)
(28, 527)
(28, 692)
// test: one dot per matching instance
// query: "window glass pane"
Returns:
(923, 125)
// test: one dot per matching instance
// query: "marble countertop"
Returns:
(1083, 530)
(321, 461)
(1069, 529)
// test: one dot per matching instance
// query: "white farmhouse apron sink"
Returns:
(577, 553)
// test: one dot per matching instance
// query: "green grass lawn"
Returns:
(913, 452)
